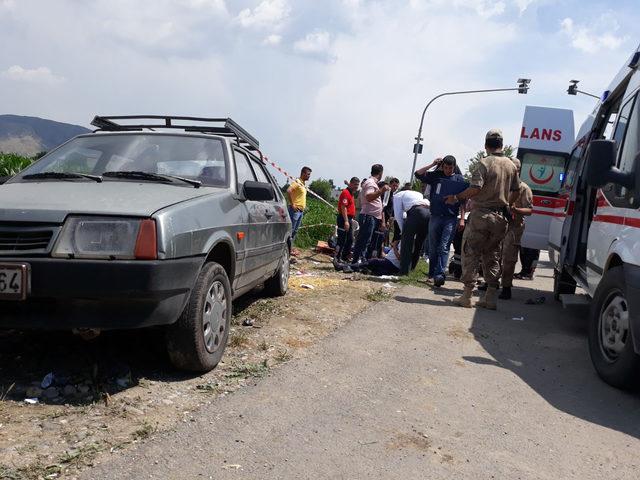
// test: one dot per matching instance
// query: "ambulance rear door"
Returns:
(546, 139)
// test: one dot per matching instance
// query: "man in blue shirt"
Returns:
(444, 180)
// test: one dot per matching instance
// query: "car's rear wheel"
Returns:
(197, 340)
(278, 285)
(610, 333)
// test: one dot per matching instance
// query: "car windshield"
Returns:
(192, 157)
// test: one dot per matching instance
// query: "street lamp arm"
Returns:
(424, 112)
(588, 94)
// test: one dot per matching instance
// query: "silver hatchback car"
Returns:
(147, 221)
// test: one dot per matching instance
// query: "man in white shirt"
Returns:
(411, 211)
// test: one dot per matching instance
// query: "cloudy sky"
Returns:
(333, 84)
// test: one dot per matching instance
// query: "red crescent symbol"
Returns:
(541, 181)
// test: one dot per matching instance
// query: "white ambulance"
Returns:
(596, 242)
(546, 139)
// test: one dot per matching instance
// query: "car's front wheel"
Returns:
(197, 340)
(610, 333)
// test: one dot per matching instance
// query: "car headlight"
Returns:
(107, 238)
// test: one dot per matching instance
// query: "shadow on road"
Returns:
(546, 346)
(548, 350)
(59, 367)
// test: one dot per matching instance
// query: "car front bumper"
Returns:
(102, 294)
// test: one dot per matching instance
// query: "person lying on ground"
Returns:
(389, 265)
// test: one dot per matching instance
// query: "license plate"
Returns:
(14, 281)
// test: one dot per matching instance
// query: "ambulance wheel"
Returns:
(563, 283)
(610, 333)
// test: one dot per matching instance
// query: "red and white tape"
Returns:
(294, 179)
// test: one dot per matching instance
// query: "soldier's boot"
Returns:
(465, 299)
(505, 294)
(489, 300)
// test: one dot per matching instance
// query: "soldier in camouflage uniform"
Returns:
(494, 186)
(522, 207)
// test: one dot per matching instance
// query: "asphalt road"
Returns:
(417, 388)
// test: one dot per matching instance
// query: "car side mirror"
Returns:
(258, 191)
(600, 168)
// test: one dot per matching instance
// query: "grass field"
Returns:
(317, 213)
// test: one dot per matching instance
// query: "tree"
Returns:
(509, 151)
(322, 187)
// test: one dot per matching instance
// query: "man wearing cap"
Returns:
(522, 207)
(494, 186)
(444, 217)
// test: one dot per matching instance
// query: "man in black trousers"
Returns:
(413, 227)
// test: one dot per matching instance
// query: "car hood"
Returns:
(52, 201)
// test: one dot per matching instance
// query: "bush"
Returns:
(316, 212)
(11, 164)
(323, 188)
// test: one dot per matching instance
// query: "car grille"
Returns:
(15, 240)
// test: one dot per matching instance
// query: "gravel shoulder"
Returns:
(112, 393)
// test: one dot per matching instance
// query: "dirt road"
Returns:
(416, 388)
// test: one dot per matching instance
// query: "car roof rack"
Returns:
(225, 127)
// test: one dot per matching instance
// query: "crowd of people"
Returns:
(482, 217)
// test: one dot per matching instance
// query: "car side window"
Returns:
(260, 174)
(630, 148)
(263, 176)
(244, 172)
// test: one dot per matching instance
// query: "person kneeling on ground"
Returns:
(389, 265)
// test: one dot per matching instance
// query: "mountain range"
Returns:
(30, 135)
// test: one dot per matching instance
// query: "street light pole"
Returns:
(523, 87)
(573, 89)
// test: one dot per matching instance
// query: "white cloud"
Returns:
(523, 4)
(268, 14)
(599, 36)
(272, 40)
(314, 42)
(34, 75)
(213, 5)
(484, 8)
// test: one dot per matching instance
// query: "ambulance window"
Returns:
(623, 121)
(542, 172)
(611, 116)
(572, 169)
(630, 147)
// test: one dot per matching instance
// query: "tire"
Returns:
(563, 284)
(278, 285)
(610, 333)
(197, 340)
